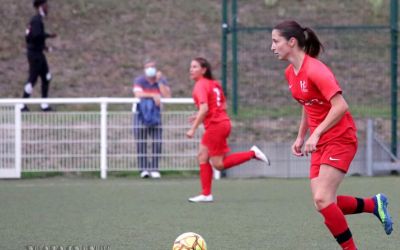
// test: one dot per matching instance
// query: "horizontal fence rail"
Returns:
(100, 138)
(96, 140)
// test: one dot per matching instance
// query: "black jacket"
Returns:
(36, 35)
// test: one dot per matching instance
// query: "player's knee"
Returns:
(219, 166)
(217, 163)
(202, 157)
(28, 88)
(320, 201)
(49, 77)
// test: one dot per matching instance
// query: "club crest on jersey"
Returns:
(303, 86)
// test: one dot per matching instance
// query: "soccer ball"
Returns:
(189, 241)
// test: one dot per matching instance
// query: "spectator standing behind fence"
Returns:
(150, 88)
(213, 149)
(36, 43)
(332, 142)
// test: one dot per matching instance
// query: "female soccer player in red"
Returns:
(332, 142)
(210, 101)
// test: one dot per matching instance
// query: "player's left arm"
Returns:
(201, 114)
(325, 81)
(338, 110)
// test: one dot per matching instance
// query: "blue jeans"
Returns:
(141, 133)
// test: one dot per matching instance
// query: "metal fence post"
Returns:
(103, 142)
(18, 144)
(234, 58)
(369, 147)
(224, 43)
(393, 33)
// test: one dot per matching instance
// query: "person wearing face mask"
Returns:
(150, 88)
(35, 36)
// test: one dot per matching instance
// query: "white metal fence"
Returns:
(99, 140)
(103, 140)
(10, 165)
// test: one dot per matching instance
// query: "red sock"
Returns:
(354, 205)
(206, 175)
(237, 158)
(336, 223)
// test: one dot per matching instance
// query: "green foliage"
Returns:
(270, 3)
(376, 5)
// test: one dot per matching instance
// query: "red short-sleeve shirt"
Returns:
(210, 92)
(313, 87)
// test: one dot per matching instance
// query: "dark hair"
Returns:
(306, 37)
(149, 60)
(37, 3)
(205, 65)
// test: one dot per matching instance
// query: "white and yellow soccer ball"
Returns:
(189, 241)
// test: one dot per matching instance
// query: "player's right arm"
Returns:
(200, 95)
(201, 114)
(298, 144)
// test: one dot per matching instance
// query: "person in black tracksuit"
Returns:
(36, 44)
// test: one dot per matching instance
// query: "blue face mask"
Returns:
(150, 71)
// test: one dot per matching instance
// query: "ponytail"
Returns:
(312, 45)
(306, 37)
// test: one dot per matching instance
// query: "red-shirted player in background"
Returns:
(332, 142)
(210, 101)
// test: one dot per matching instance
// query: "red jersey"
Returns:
(313, 87)
(210, 92)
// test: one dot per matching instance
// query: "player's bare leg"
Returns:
(324, 189)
